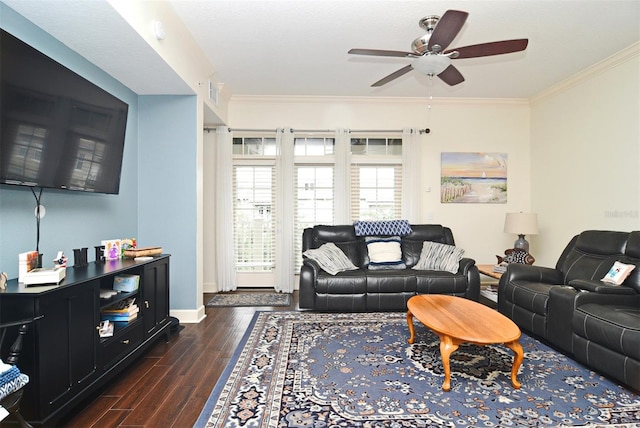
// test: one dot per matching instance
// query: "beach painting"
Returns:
(476, 178)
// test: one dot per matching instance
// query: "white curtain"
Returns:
(411, 180)
(284, 278)
(342, 177)
(225, 260)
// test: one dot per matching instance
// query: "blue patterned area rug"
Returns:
(301, 369)
(250, 298)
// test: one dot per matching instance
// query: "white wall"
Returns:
(456, 126)
(586, 154)
(209, 213)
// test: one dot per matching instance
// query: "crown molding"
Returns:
(371, 100)
(625, 55)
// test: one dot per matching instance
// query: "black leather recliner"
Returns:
(365, 290)
(571, 308)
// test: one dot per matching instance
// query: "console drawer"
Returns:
(123, 342)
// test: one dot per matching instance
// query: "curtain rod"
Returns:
(364, 131)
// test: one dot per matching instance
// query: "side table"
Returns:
(486, 291)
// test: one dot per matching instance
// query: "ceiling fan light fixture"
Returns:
(430, 64)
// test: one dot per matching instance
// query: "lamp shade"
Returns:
(521, 223)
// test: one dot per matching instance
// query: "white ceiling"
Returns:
(299, 47)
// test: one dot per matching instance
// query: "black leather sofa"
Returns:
(570, 307)
(365, 290)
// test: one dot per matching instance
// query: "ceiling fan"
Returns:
(429, 51)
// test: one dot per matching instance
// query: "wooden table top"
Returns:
(488, 270)
(463, 319)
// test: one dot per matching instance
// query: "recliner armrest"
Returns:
(522, 272)
(312, 264)
(600, 287)
(465, 264)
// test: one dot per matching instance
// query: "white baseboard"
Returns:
(189, 316)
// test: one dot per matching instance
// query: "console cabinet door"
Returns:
(68, 341)
(155, 293)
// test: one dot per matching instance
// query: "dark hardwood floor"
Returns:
(169, 385)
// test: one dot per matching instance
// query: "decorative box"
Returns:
(126, 282)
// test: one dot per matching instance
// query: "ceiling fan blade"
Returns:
(392, 76)
(447, 28)
(378, 52)
(493, 48)
(451, 76)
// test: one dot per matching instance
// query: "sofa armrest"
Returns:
(560, 309)
(522, 272)
(469, 269)
(308, 277)
(600, 287)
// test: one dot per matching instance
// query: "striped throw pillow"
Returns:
(330, 258)
(436, 256)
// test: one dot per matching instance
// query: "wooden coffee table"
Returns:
(457, 320)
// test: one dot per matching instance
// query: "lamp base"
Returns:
(521, 243)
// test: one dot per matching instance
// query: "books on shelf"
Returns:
(119, 318)
(125, 310)
(122, 306)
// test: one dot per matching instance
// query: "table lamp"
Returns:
(521, 224)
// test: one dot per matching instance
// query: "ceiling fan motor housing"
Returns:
(428, 23)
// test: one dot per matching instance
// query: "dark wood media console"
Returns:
(63, 354)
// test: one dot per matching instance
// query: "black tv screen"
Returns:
(57, 129)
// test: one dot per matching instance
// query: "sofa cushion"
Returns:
(383, 282)
(436, 256)
(440, 282)
(615, 327)
(330, 258)
(347, 282)
(384, 252)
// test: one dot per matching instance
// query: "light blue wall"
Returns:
(167, 203)
(73, 219)
(157, 199)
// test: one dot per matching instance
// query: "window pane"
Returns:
(299, 147)
(377, 146)
(358, 146)
(330, 145)
(237, 146)
(376, 192)
(395, 146)
(253, 218)
(314, 203)
(315, 146)
(270, 146)
(253, 146)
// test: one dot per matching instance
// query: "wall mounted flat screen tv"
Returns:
(57, 129)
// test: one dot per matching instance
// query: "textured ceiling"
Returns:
(299, 48)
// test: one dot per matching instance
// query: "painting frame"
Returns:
(473, 177)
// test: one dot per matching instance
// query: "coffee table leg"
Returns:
(447, 346)
(518, 356)
(411, 329)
